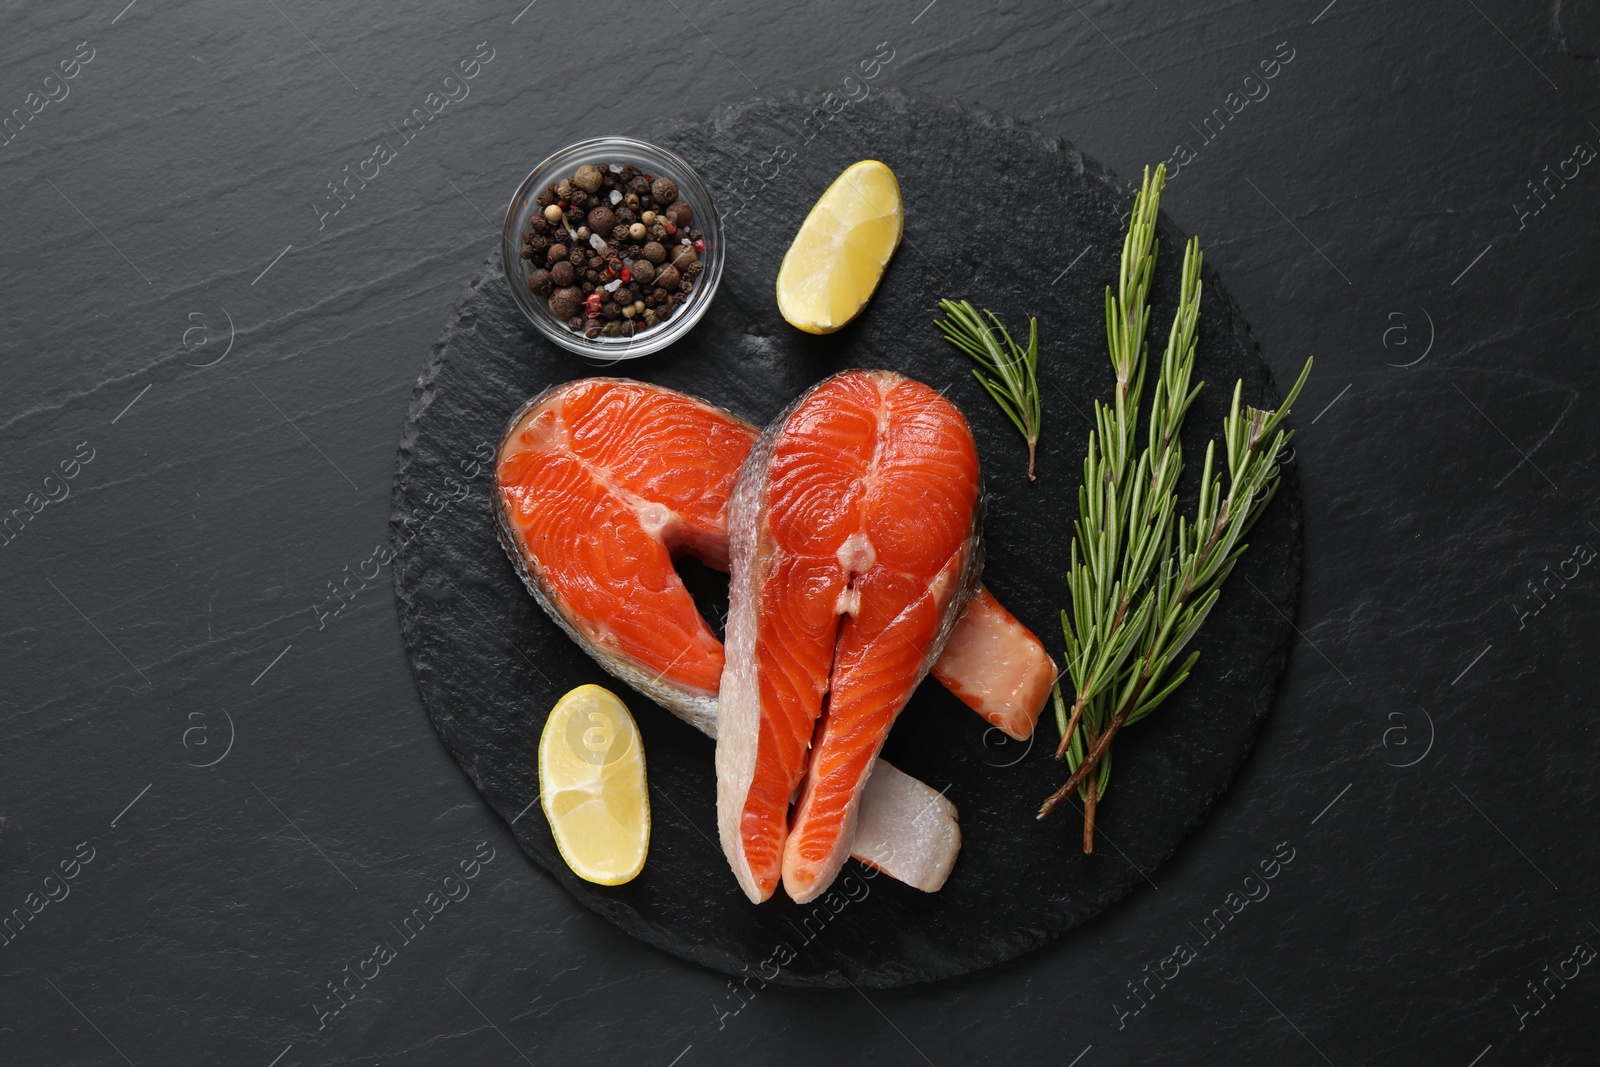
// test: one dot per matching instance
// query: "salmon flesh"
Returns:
(854, 536)
(601, 482)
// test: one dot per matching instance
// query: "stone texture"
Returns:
(489, 664)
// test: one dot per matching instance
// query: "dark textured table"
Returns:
(230, 237)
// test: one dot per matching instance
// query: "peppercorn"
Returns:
(557, 253)
(632, 201)
(664, 190)
(668, 277)
(596, 262)
(575, 323)
(683, 256)
(565, 303)
(592, 332)
(648, 218)
(587, 178)
(601, 219)
(639, 185)
(608, 310)
(665, 312)
(644, 272)
(637, 231)
(576, 256)
(699, 244)
(562, 274)
(545, 198)
(527, 250)
(539, 281)
(655, 252)
(563, 189)
(552, 213)
(619, 232)
(592, 278)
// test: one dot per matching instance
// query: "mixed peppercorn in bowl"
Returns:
(612, 247)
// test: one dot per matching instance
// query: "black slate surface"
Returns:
(490, 664)
(1429, 762)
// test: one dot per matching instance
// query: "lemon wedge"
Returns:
(592, 787)
(837, 258)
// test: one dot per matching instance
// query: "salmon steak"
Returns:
(854, 545)
(600, 484)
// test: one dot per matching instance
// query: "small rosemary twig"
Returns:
(1015, 385)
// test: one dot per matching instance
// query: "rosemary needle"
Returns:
(1013, 371)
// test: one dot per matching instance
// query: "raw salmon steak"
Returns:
(601, 482)
(854, 545)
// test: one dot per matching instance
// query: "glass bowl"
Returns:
(601, 152)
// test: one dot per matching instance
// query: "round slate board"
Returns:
(1018, 223)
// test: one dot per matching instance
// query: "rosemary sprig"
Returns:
(1138, 598)
(1015, 370)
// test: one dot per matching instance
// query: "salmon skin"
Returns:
(854, 542)
(600, 483)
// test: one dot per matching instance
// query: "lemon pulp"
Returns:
(592, 786)
(837, 258)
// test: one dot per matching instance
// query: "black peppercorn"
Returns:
(575, 323)
(609, 310)
(576, 256)
(566, 302)
(654, 252)
(664, 190)
(545, 198)
(558, 252)
(619, 232)
(626, 216)
(540, 281)
(562, 274)
(638, 186)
